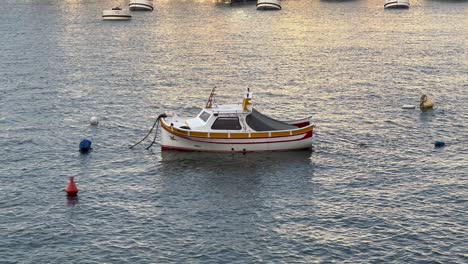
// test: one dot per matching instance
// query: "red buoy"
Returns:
(71, 189)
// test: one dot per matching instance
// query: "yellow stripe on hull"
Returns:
(235, 135)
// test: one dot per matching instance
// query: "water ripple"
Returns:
(374, 189)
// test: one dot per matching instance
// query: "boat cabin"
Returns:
(232, 118)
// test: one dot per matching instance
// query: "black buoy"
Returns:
(85, 146)
(439, 144)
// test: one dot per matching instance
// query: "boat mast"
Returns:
(247, 102)
(209, 104)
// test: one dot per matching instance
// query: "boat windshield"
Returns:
(227, 123)
(204, 116)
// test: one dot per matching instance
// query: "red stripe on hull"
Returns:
(228, 151)
(303, 124)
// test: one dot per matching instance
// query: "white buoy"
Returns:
(94, 121)
(408, 107)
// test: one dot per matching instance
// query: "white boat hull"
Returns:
(268, 5)
(170, 140)
(116, 15)
(396, 4)
(141, 5)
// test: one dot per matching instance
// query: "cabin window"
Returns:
(204, 116)
(227, 123)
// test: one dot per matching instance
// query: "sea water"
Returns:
(373, 189)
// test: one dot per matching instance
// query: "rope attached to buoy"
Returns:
(151, 130)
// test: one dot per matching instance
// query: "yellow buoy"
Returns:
(425, 103)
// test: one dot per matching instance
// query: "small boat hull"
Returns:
(141, 5)
(395, 4)
(177, 139)
(268, 5)
(116, 15)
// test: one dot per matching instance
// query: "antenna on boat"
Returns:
(209, 104)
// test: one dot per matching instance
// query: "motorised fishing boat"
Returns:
(234, 128)
(141, 5)
(396, 4)
(116, 13)
(268, 4)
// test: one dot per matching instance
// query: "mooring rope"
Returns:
(151, 130)
(154, 139)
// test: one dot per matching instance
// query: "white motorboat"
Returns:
(234, 128)
(396, 4)
(269, 5)
(116, 13)
(141, 5)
